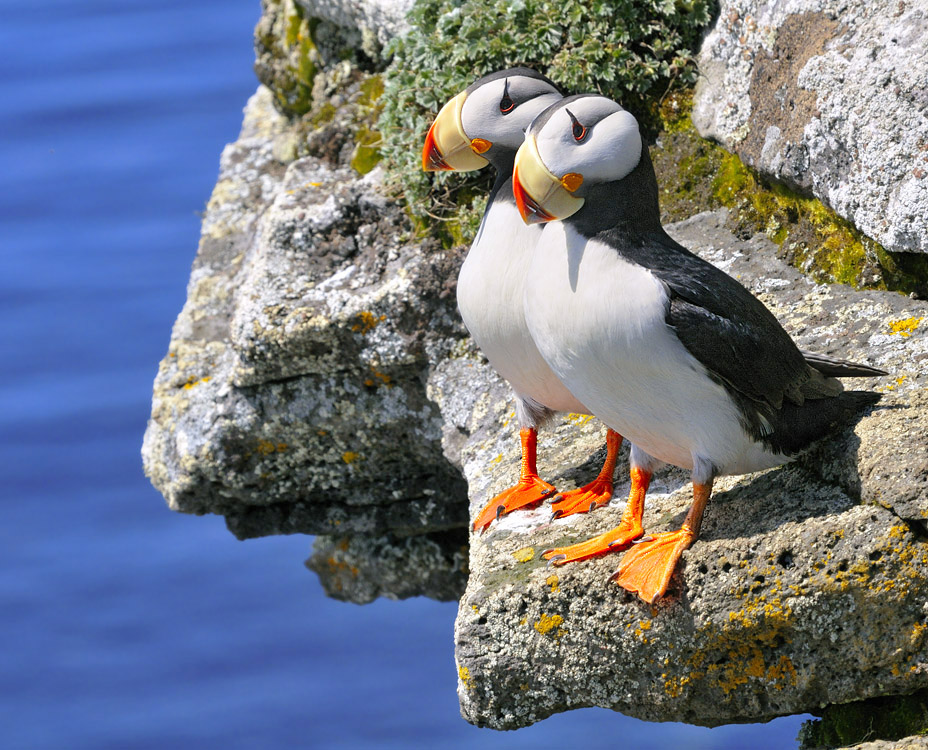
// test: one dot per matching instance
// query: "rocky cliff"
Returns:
(319, 381)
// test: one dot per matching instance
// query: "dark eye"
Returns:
(506, 105)
(577, 129)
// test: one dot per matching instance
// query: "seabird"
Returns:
(485, 124)
(662, 346)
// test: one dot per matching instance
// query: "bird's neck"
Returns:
(502, 186)
(628, 206)
(502, 160)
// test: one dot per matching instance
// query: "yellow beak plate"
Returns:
(539, 194)
(447, 146)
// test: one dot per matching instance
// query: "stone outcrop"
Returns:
(292, 398)
(319, 381)
(810, 582)
(382, 19)
(362, 568)
(910, 743)
(830, 97)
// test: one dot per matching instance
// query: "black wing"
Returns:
(725, 327)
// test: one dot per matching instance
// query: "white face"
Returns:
(591, 136)
(499, 111)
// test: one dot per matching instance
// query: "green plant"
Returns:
(633, 51)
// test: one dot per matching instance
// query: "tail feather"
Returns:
(797, 426)
(839, 368)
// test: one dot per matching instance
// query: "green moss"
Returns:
(675, 112)
(890, 718)
(371, 91)
(811, 236)
(287, 59)
(904, 272)
(696, 175)
(323, 114)
(367, 152)
(294, 23)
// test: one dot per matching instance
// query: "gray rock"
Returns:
(319, 381)
(360, 569)
(830, 97)
(293, 396)
(809, 583)
(384, 19)
(909, 743)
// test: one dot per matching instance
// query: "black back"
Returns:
(722, 325)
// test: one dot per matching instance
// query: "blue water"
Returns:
(123, 625)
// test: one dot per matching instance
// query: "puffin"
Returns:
(485, 124)
(662, 346)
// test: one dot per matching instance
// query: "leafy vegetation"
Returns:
(633, 51)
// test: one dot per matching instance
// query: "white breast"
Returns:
(599, 321)
(490, 293)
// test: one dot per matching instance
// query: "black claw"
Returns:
(555, 559)
(592, 507)
(641, 539)
(500, 509)
(556, 514)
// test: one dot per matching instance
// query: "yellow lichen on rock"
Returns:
(464, 677)
(267, 447)
(367, 322)
(904, 328)
(547, 623)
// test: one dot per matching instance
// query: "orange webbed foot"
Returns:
(530, 490)
(612, 541)
(598, 492)
(647, 567)
(583, 499)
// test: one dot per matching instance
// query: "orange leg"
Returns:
(629, 527)
(530, 490)
(598, 492)
(646, 568)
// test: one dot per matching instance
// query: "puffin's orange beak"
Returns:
(532, 212)
(447, 146)
(432, 160)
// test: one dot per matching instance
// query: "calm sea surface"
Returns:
(123, 625)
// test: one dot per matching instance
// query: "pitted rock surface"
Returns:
(362, 568)
(808, 586)
(830, 97)
(383, 19)
(293, 396)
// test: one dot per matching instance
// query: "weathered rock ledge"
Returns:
(809, 585)
(292, 398)
(319, 381)
(831, 97)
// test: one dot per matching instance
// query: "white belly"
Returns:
(599, 321)
(490, 292)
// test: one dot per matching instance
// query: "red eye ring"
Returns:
(506, 105)
(578, 131)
